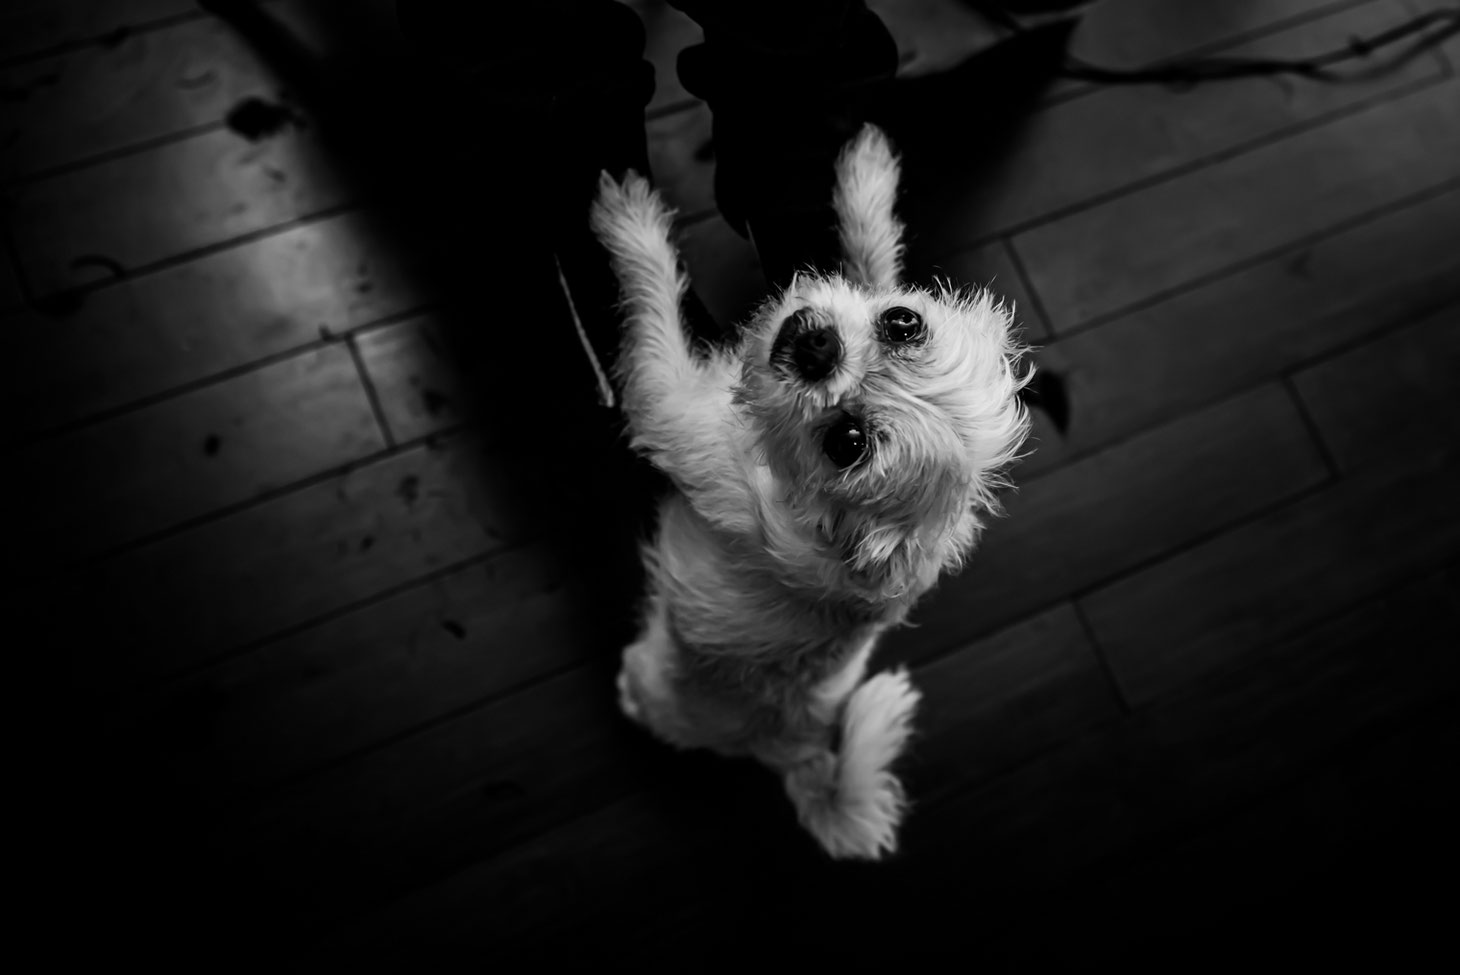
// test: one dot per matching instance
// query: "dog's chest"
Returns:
(724, 600)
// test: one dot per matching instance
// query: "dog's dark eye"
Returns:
(901, 325)
(845, 442)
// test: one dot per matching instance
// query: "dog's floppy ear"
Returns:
(866, 187)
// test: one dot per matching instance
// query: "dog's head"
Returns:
(885, 415)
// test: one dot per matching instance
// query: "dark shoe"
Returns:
(781, 118)
(557, 92)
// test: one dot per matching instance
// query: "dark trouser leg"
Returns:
(789, 84)
(570, 72)
(560, 88)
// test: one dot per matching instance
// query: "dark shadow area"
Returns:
(440, 175)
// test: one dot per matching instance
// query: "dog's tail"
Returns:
(849, 798)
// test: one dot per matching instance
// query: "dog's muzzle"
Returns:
(811, 351)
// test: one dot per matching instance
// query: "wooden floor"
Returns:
(318, 589)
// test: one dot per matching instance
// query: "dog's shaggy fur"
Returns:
(829, 466)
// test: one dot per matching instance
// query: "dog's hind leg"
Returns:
(650, 693)
(845, 792)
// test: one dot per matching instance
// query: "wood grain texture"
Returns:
(1130, 34)
(1390, 398)
(994, 701)
(1171, 234)
(38, 26)
(1138, 133)
(1126, 786)
(126, 214)
(372, 675)
(492, 776)
(148, 85)
(1225, 599)
(998, 701)
(995, 853)
(1027, 832)
(1068, 530)
(1231, 738)
(218, 446)
(1450, 49)
(1251, 326)
(194, 597)
(419, 390)
(94, 351)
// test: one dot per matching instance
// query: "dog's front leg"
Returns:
(666, 389)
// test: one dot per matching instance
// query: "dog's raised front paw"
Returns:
(623, 212)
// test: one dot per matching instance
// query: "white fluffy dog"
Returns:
(828, 468)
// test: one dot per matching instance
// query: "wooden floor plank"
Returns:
(1068, 530)
(419, 390)
(103, 349)
(179, 603)
(144, 471)
(1389, 398)
(1377, 661)
(1450, 48)
(1252, 326)
(369, 676)
(1230, 739)
(996, 702)
(1136, 133)
(135, 211)
(1124, 787)
(1039, 674)
(977, 857)
(162, 82)
(1179, 231)
(38, 26)
(1221, 601)
(148, 85)
(492, 776)
(1130, 34)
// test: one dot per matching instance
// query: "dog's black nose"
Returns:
(815, 353)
